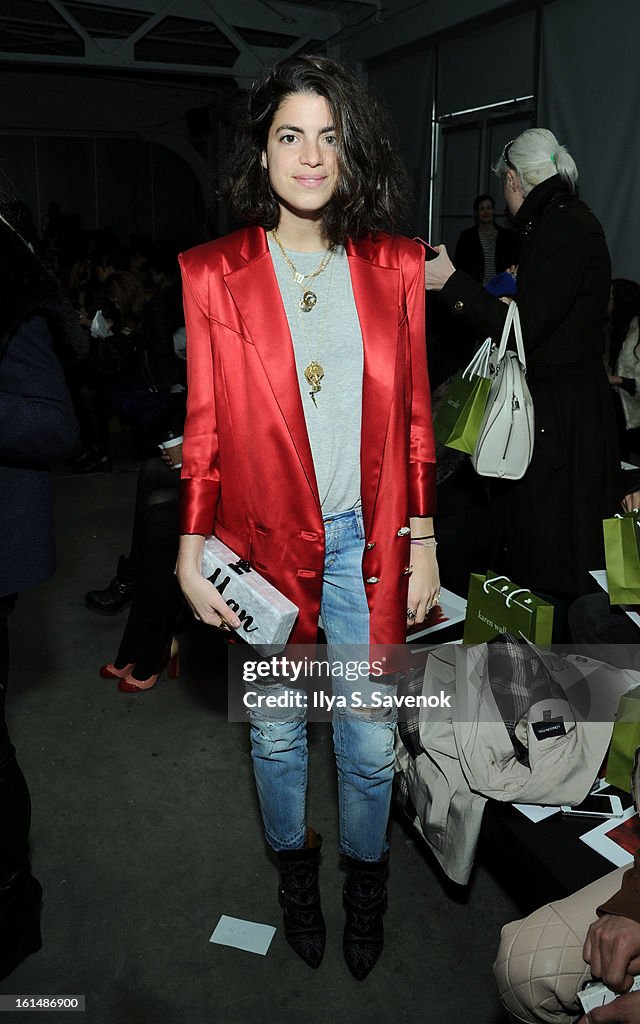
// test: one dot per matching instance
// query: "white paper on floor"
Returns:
(233, 931)
(536, 812)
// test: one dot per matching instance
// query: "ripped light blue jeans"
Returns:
(363, 739)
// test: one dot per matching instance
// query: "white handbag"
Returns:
(505, 443)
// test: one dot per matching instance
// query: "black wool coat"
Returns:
(469, 255)
(37, 423)
(548, 526)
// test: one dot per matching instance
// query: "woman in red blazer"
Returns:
(309, 448)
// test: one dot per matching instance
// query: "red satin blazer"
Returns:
(248, 473)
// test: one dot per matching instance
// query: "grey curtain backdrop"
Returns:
(590, 98)
(488, 66)
(405, 87)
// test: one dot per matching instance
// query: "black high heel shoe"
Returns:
(20, 906)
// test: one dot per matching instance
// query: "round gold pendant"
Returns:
(308, 301)
(313, 374)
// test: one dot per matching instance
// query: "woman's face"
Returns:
(301, 156)
(485, 212)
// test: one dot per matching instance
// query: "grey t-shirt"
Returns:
(330, 335)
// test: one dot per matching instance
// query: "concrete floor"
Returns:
(145, 830)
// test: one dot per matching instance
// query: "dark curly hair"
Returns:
(370, 193)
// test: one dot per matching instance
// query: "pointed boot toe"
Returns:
(299, 896)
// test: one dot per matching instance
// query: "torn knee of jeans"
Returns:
(372, 714)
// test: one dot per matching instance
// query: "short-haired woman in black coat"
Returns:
(548, 525)
(37, 426)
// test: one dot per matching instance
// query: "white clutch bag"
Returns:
(266, 616)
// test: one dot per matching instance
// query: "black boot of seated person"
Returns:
(117, 595)
(365, 901)
(299, 895)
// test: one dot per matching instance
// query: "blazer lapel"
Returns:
(376, 293)
(255, 291)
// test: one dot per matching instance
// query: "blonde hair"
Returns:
(536, 155)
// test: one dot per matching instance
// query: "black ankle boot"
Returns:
(365, 901)
(20, 903)
(117, 595)
(304, 927)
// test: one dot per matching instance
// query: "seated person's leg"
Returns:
(539, 967)
(154, 478)
(605, 630)
(594, 621)
(157, 598)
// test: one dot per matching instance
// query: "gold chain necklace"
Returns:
(314, 372)
(309, 297)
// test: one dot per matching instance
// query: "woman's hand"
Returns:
(614, 379)
(424, 583)
(437, 272)
(170, 460)
(206, 603)
(631, 501)
(202, 597)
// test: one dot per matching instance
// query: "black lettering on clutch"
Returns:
(215, 576)
(246, 620)
(240, 566)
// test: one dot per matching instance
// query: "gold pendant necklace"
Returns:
(314, 371)
(313, 374)
(309, 297)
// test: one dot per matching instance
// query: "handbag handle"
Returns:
(512, 320)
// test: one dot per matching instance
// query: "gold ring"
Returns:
(411, 614)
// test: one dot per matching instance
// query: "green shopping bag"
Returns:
(624, 741)
(496, 605)
(622, 556)
(459, 416)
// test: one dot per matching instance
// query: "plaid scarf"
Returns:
(518, 679)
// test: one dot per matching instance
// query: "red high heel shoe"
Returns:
(127, 683)
(109, 671)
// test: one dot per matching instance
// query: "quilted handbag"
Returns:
(505, 442)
